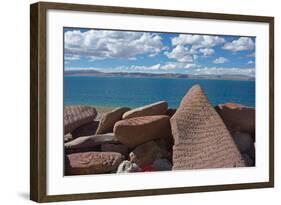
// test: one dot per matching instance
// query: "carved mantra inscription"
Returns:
(75, 116)
(201, 138)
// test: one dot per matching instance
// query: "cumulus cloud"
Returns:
(167, 66)
(170, 66)
(192, 66)
(220, 60)
(198, 41)
(207, 51)
(102, 44)
(189, 47)
(241, 44)
(139, 68)
(156, 68)
(181, 54)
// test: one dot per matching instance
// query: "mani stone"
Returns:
(92, 162)
(127, 167)
(201, 138)
(120, 148)
(86, 129)
(237, 118)
(109, 119)
(147, 153)
(90, 141)
(135, 131)
(158, 108)
(77, 115)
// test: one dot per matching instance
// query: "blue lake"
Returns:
(135, 91)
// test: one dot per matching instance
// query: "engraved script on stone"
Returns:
(201, 138)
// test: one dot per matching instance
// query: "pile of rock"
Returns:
(123, 140)
(240, 121)
(157, 138)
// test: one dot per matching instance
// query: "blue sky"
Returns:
(152, 52)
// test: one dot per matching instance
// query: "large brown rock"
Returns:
(92, 163)
(147, 153)
(117, 147)
(109, 119)
(86, 130)
(158, 108)
(77, 115)
(201, 138)
(138, 130)
(90, 141)
(237, 118)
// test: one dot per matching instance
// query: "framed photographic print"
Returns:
(134, 102)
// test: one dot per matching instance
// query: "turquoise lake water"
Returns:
(135, 91)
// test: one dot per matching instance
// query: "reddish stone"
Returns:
(120, 148)
(87, 142)
(135, 131)
(75, 116)
(201, 138)
(158, 108)
(86, 129)
(237, 118)
(109, 119)
(92, 163)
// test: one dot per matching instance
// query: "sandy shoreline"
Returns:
(102, 109)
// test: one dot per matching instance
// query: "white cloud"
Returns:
(207, 51)
(198, 41)
(220, 60)
(158, 67)
(165, 67)
(170, 66)
(241, 44)
(250, 62)
(189, 47)
(71, 57)
(181, 54)
(225, 71)
(144, 68)
(173, 67)
(101, 44)
(192, 66)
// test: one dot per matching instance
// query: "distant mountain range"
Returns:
(164, 75)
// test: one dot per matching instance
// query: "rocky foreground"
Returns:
(156, 138)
